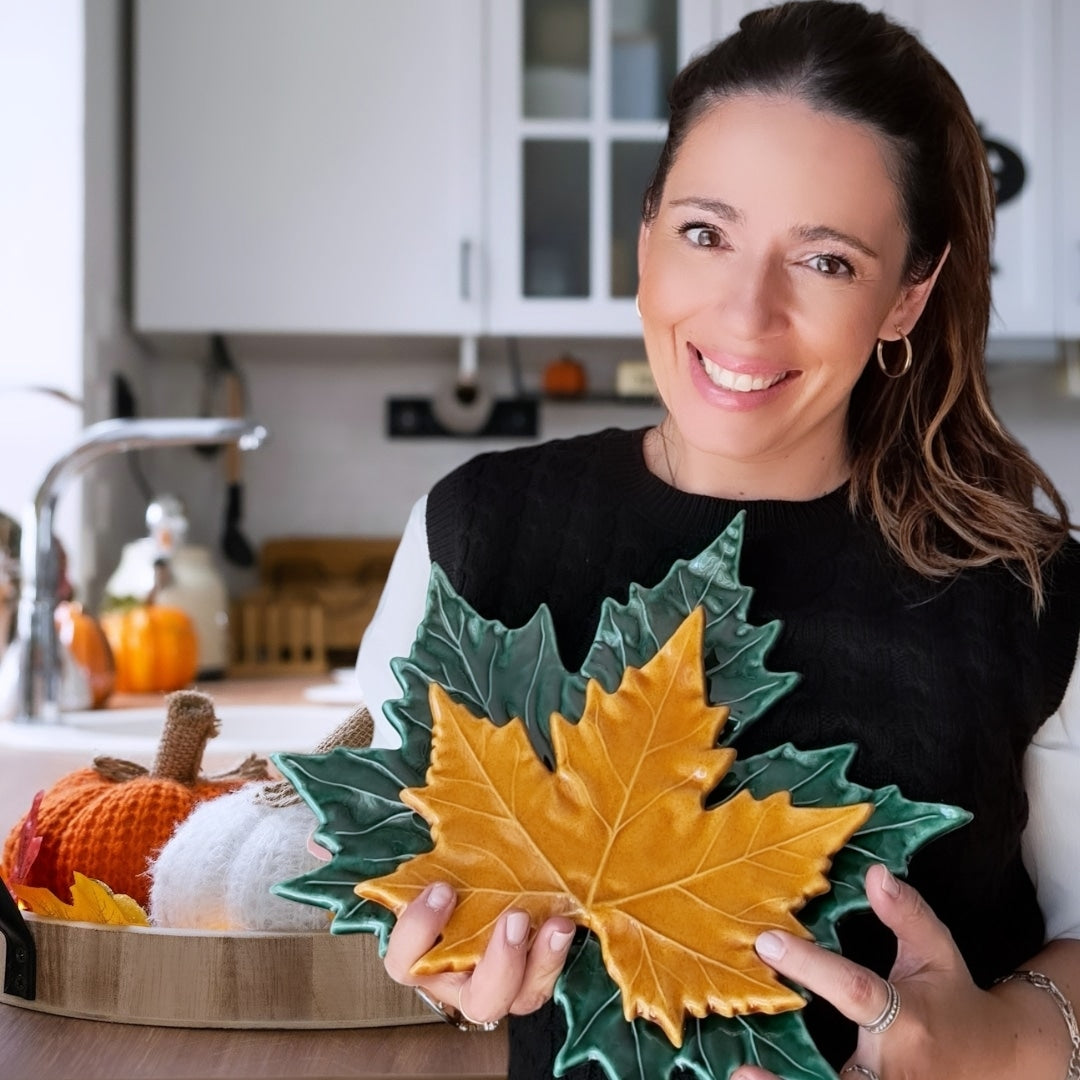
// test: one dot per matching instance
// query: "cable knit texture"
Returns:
(940, 684)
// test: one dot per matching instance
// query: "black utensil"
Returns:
(234, 544)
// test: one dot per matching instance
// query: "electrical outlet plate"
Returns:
(413, 418)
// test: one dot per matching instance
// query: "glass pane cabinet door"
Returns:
(632, 165)
(556, 63)
(579, 112)
(556, 222)
(643, 51)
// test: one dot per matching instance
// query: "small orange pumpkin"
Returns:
(81, 634)
(109, 822)
(155, 648)
(564, 377)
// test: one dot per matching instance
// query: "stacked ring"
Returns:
(888, 1014)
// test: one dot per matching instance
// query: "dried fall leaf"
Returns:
(29, 843)
(92, 901)
(617, 839)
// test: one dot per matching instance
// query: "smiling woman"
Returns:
(814, 294)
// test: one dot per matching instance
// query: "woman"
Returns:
(814, 294)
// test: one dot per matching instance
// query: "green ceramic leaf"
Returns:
(712, 1047)
(500, 673)
(734, 651)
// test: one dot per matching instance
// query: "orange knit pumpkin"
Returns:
(154, 647)
(110, 821)
(82, 636)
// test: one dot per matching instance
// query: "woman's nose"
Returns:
(754, 298)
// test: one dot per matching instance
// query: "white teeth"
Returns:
(741, 382)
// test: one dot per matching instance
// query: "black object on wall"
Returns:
(413, 418)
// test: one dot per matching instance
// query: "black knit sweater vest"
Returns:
(940, 684)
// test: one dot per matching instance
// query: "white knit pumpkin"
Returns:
(216, 871)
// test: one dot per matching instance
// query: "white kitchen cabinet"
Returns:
(1001, 53)
(577, 114)
(1067, 41)
(309, 167)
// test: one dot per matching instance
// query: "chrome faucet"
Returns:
(36, 648)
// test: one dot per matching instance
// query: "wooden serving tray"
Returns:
(197, 978)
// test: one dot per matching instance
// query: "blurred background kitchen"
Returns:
(397, 234)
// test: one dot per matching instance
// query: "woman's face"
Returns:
(773, 265)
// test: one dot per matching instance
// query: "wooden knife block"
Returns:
(315, 598)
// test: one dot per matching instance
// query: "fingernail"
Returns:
(889, 883)
(517, 927)
(561, 939)
(439, 897)
(770, 945)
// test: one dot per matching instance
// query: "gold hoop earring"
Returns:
(907, 357)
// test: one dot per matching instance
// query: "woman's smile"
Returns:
(736, 382)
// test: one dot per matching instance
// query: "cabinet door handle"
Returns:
(465, 270)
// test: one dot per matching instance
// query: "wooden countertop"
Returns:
(37, 1046)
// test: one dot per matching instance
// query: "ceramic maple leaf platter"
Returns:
(613, 795)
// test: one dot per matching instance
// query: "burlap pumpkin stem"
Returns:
(190, 723)
(356, 732)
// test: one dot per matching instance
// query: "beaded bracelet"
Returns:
(459, 1020)
(1037, 978)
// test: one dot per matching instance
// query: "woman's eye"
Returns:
(831, 265)
(704, 236)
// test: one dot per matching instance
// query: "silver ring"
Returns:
(458, 1019)
(474, 1025)
(888, 1014)
(862, 1070)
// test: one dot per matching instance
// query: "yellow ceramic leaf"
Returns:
(92, 901)
(617, 838)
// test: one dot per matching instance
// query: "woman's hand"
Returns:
(515, 974)
(946, 1026)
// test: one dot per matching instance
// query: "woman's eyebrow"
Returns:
(721, 209)
(827, 232)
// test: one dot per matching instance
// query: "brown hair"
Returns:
(947, 485)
